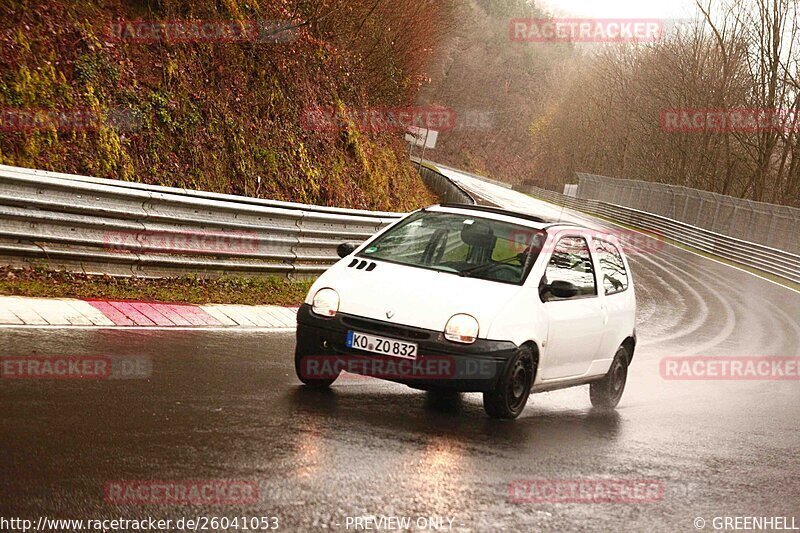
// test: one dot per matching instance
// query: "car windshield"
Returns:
(461, 244)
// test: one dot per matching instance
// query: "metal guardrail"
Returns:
(98, 226)
(197, 194)
(92, 225)
(757, 256)
(476, 176)
(445, 188)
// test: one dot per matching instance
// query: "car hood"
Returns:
(412, 296)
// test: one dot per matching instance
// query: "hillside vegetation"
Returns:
(221, 116)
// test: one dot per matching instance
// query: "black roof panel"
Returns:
(500, 211)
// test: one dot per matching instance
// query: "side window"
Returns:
(615, 277)
(571, 261)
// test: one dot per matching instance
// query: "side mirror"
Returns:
(346, 248)
(560, 289)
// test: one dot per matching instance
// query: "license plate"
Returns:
(381, 345)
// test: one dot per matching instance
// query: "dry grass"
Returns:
(246, 291)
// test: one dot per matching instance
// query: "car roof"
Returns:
(498, 213)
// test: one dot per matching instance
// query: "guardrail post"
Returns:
(771, 228)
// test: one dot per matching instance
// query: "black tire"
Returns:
(303, 376)
(510, 394)
(607, 392)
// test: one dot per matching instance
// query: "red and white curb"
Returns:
(16, 311)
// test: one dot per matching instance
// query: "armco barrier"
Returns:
(750, 254)
(476, 176)
(93, 225)
(445, 188)
(99, 226)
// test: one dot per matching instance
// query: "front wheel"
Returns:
(607, 392)
(508, 397)
(318, 372)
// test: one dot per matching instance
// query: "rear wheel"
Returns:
(508, 397)
(607, 392)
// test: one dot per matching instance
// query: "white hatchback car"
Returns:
(475, 299)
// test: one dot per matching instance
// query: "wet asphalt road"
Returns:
(228, 406)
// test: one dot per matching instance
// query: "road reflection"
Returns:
(459, 416)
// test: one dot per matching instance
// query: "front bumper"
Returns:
(440, 363)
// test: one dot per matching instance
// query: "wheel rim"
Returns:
(618, 380)
(518, 384)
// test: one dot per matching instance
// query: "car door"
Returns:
(617, 296)
(576, 324)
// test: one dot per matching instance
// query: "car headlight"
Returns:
(326, 302)
(461, 328)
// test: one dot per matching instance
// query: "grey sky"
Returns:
(621, 8)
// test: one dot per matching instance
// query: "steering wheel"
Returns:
(506, 273)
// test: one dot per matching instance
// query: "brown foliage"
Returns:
(222, 116)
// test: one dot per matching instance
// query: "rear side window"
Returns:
(571, 261)
(615, 277)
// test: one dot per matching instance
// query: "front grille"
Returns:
(375, 326)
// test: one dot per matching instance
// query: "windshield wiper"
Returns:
(472, 270)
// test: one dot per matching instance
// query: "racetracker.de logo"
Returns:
(181, 492)
(55, 367)
(74, 119)
(81, 367)
(195, 31)
(585, 491)
(591, 30)
(746, 368)
(378, 119)
(329, 367)
(188, 242)
(728, 120)
(632, 242)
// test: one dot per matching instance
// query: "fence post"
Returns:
(716, 216)
(735, 216)
(771, 227)
(750, 222)
(685, 208)
(673, 204)
(795, 214)
(700, 211)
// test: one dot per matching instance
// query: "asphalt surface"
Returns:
(221, 405)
